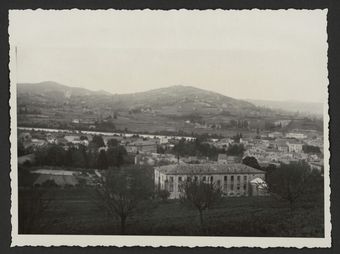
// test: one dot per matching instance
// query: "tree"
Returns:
(251, 162)
(82, 137)
(124, 190)
(235, 150)
(33, 203)
(78, 159)
(201, 195)
(163, 194)
(112, 142)
(311, 149)
(102, 160)
(98, 141)
(53, 155)
(116, 156)
(21, 148)
(289, 181)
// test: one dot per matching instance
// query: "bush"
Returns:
(163, 195)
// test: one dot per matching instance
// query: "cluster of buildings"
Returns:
(227, 172)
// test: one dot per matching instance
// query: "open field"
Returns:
(79, 211)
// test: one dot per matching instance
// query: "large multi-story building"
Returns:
(232, 179)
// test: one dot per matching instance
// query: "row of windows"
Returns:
(170, 186)
(210, 178)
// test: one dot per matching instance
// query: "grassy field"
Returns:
(79, 211)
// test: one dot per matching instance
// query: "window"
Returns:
(232, 178)
(188, 179)
(238, 178)
(180, 179)
(211, 178)
(225, 178)
(244, 186)
(196, 178)
(171, 179)
(245, 178)
(204, 179)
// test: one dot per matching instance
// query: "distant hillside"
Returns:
(54, 90)
(292, 106)
(169, 100)
(172, 109)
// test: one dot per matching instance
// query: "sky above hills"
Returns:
(273, 55)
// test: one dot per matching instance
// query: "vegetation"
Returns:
(196, 147)
(77, 211)
(81, 156)
(122, 191)
(201, 195)
(291, 181)
(163, 195)
(311, 149)
(235, 150)
(251, 162)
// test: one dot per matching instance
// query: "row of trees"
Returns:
(198, 147)
(80, 156)
(195, 148)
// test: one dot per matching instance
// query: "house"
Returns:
(28, 158)
(275, 134)
(37, 142)
(74, 139)
(317, 165)
(296, 135)
(232, 179)
(258, 187)
(222, 158)
(143, 146)
(281, 145)
(294, 146)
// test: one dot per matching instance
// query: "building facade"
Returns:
(232, 179)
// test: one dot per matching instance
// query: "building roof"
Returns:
(222, 156)
(209, 168)
(143, 143)
(294, 142)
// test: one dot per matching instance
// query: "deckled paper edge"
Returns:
(156, 241)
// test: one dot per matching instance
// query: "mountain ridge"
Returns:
(152, 98)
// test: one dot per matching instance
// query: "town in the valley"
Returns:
(99, 182)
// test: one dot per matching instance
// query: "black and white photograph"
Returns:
(169, 128)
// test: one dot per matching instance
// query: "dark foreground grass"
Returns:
(79, 211)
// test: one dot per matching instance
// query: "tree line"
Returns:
(95, 155)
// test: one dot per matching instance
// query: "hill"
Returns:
(174, 99)
(292, 106)
(170, 109)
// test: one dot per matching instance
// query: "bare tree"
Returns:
(289, 182)
(33, 203)
(201, 195)
(123, 190)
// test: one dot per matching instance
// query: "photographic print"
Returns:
(169, 128)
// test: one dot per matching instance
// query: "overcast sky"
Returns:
(274, 55)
